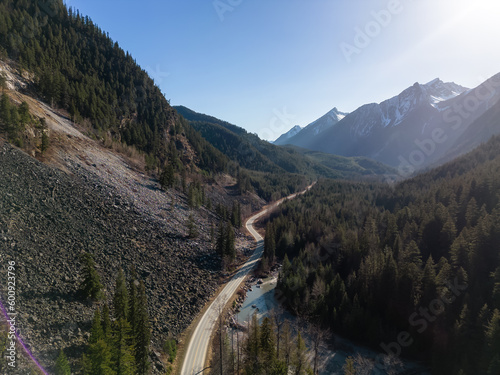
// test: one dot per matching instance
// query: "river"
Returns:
(333, 355)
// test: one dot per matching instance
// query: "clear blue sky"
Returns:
(267, 65)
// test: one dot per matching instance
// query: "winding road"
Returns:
(196, 353)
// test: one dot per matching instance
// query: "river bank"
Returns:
(259, 298)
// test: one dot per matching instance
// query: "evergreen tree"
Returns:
(96, 331)
(300, 361)
(253, 348)
(62, 365)
(167, 178)
(192, 231)
(106, 324)
(133, 300)
(229, 246)
(349, 367)
(120, 301)
(5, 111)
(3, 82)
(91, 286)
(97, 359)
(221, 239)
(236, 214)
(267, 345)
(24, 113)
(123, 358)
(269, 244)
(143, 333)
(170, 348)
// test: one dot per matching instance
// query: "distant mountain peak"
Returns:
(289, 134)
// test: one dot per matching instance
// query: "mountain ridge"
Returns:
(393, 130)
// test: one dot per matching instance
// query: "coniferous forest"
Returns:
(412, 270)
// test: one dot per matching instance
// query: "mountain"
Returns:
(312, 130)
(255, 154)
(284, 137)
(414, 129)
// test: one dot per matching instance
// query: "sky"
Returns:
(267, 65)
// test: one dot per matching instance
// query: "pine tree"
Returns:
(106, 324)
(97, 359)
(123, 358)
(3, 82)
(300, 360)
(62, 365)
(120, 301)
(91, 286)
(96, 331)
(167, 178)
(267, 344)
(229, 246)
(192, 196)
(253, 347)
(142, 333)
(170, 349)
(236, 214)
(192, 232)
(221, 240)
(5, 111)
(493, 334)
(349, 367)
(132, 297)
(269, 244)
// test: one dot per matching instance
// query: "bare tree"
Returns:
(363, 366)
(286, 342)
(221, 360)
(318, 337)
(392, 364)
(276, 317)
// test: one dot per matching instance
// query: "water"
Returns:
(331, 360)
(262, 297)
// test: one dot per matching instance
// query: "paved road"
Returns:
(196, 353)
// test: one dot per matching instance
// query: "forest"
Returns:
(412, 269)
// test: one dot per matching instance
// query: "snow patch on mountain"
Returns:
(289, 134)
(327, 121)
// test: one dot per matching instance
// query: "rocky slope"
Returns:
(87, 198)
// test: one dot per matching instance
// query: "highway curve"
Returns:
(196, 353)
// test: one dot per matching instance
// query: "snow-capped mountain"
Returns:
(416, 127)
(394, 111)
(289, 134)
(313, 129)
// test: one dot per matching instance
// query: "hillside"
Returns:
(255, 154)
(74, 66)
(86, 197)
